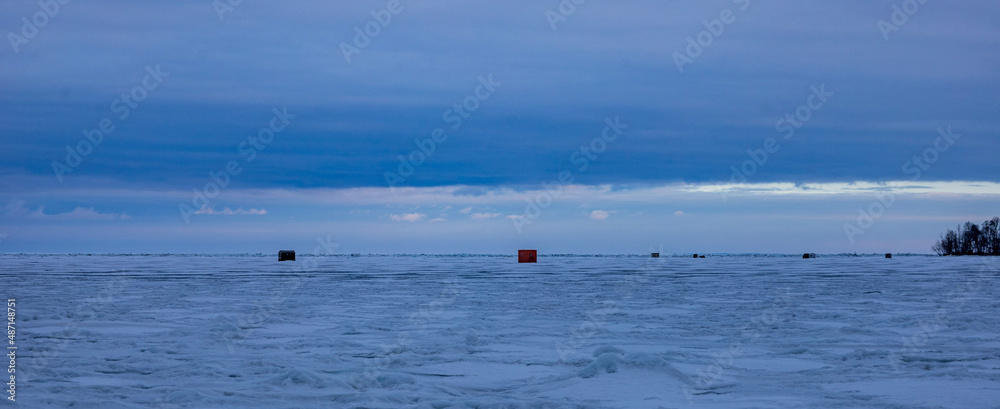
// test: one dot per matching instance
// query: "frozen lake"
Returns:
(486, 332)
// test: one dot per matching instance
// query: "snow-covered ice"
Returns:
(486, 332)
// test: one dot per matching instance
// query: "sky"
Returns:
(485, 127)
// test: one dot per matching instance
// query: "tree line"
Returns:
(971, 240)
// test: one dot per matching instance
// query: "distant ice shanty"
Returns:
(809, 255)
(527, 256)
(888, 255)
(654, 255)
(286, 255)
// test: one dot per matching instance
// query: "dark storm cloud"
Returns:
(606, 59)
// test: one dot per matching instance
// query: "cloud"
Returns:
(19, 210)
(678, 213)
(849, 188)
(388, 103)
(600, 214)
(483, 216)
(229, 212)
(407, 217)
(509, 199)
(438, 219)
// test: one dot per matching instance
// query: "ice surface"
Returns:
(486, 332)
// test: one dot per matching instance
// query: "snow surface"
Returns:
(486, 332)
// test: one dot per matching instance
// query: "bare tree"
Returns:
(977, 238)
(991, 236)
(939, 247)
(971, 239)
(951, 242)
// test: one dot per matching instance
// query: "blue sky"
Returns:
(603, 127)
